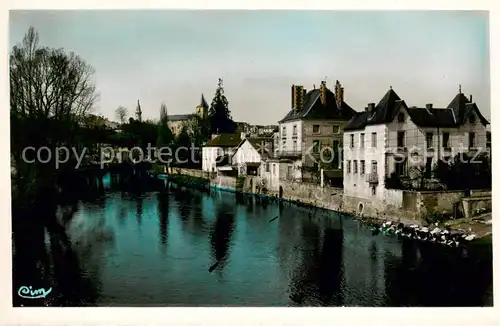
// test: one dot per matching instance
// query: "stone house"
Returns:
(392, 138)
(313, 125)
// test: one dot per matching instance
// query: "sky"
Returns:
(174, 56)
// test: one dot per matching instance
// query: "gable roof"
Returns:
(313, 109)
(179, 117)
(256, 143)
(225, 140)
(385, 111)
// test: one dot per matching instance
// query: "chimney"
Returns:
(243, 135)
(366, 109)
(339, 94)
(470, 98)
(294, 97)
(428, 106)
(299, 94)
(371, 107)
(322, 92)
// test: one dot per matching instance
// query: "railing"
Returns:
(291, 153)
(372, 178)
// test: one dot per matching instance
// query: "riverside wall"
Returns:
(398, 205)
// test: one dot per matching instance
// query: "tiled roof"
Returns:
(225, 140)
(313, 109)
(179, 117)
(385, 111)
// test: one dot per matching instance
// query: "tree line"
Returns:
(52, 101)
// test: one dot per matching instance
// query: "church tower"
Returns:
(138, 112)
(202, 108)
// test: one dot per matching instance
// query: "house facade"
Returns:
(310, 130)
(392, 139)
(219, 150)
(249, 154)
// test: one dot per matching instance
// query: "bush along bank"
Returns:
(201, 184)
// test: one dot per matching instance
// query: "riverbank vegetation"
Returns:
(52, 99)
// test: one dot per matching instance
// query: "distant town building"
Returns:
(391, 137)
(138, 112)
(177, 121)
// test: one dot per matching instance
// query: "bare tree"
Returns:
(51, 91)
(121, 113)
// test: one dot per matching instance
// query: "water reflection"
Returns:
(163, 211)
(139, 207)
(320, 275)
(220, 237)
(92, 255)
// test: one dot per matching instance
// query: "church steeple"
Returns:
(202, 108)
(138, 112)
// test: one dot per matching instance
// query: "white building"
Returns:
(219, 150)
(314, 123)
(249, 154)
(390, 138)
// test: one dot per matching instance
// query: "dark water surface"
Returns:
(156, 249)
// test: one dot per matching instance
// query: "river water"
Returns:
(181, 247)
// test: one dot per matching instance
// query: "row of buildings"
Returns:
(321, 136)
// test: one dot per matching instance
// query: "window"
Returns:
(374, 139)
(274, 168)
(336, 151)
(352, 140)
(401, 139)
(374, 167)
(315, 129)
(362, 140)
(401, 117)
(294, 145)
(488, 139)
(400, 167)
(355, 167)
(283, 134)
(348, 166)
(336, 129)
(315, 166)
(428, 139)
(315, 146)
(362, 167)
(267, 167)
(294, 129)
(446, 139)
(472, 118)
(472, 138)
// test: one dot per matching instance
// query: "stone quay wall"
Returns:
(398, 205)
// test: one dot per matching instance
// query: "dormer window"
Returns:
(472, 118)
(401, 117)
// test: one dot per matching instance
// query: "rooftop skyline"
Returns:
(175, 56)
